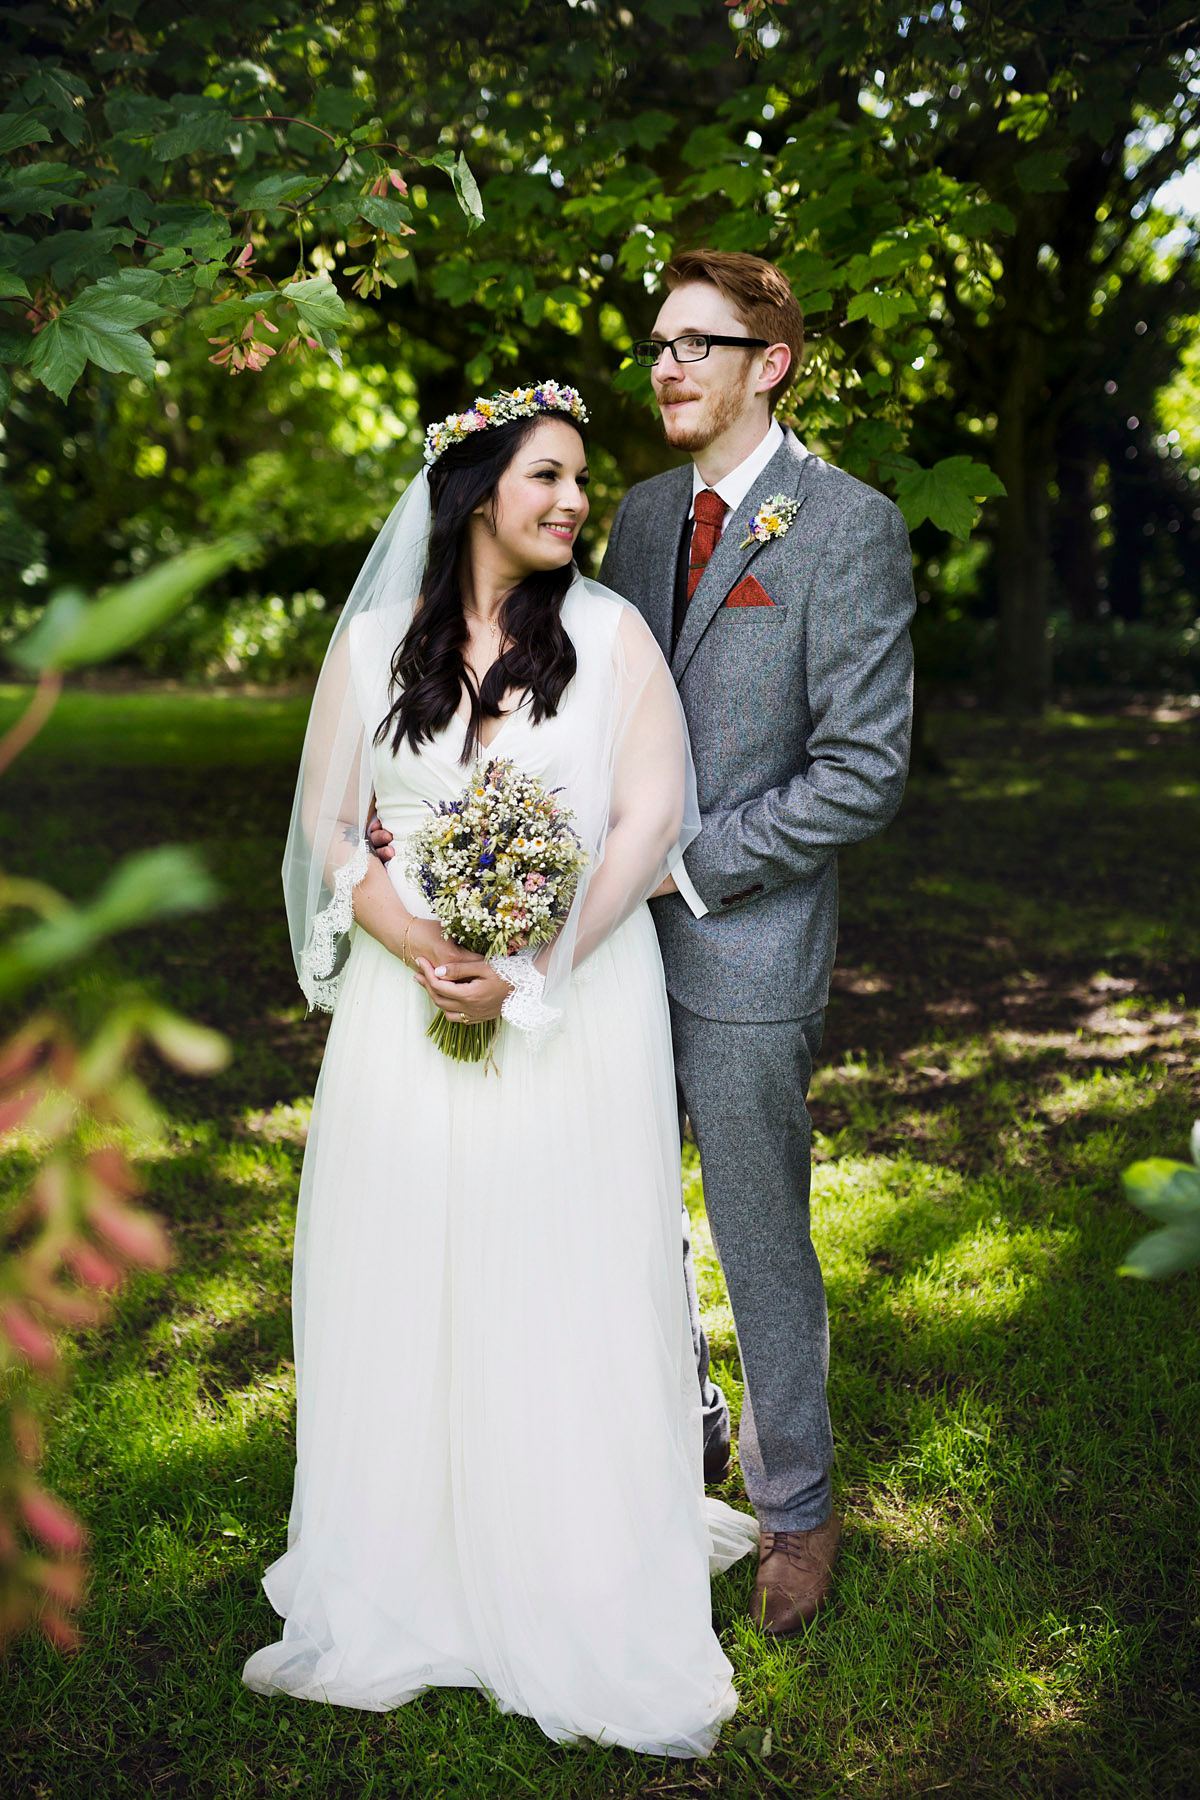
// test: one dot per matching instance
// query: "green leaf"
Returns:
(277, 190)
(6, 389)
(882, 309)
(1041, 173)
(136, 115)
(337, 108)
(194, 132)
(16, 347)
(740, 184)
(1166, 1252)
(887, 260)
(318, 302)
(110, 307)
(185, 1044)
(71, 256)
(744, 229)
(177, 290)
(58, 358)
(1029, 115)
(38, 189)
(946, 494)
(116, 202)
(152, 884)
(328, 341)
(387, 214)
(119, 350)
(650, 128)
(1163, 1190)
(982, 220)
(73, 631)
(455, 281)
(235, 310)
(142, 282)
(196, 226)
(709, 144)
(478, 369)
(97, 327)
(20, 128)
(1097, 113)
(44, 174)
(12, 287)
(467, 189)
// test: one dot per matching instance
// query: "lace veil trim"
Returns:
(524, 1009)
(329, 927)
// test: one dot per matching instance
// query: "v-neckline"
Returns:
(504, 719)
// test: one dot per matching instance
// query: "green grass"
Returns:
(1018, 1456)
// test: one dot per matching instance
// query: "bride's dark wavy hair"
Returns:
(428, 670)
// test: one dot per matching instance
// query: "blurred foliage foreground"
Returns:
(69, 1232)
(1015, 1020)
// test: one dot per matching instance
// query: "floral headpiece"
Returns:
(521, 403)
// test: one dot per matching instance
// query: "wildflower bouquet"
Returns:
(499, 868)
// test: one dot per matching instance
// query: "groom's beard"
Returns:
(719, 409)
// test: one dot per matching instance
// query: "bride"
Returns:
(498, 1480)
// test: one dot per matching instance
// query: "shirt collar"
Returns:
(734, 487)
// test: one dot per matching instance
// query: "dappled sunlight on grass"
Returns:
(1109, 1091)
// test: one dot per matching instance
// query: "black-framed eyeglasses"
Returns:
(694, 346)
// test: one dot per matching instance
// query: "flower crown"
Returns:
(501, 409)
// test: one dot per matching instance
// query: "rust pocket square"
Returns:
(749, 592)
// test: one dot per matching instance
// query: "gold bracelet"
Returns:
(404, 956)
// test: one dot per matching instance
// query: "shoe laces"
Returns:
(793, 1546)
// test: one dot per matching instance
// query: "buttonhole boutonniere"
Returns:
(771, 520)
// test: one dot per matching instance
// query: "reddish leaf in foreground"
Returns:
(26, 1335)
(50, 1521)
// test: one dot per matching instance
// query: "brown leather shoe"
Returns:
(795, 1575)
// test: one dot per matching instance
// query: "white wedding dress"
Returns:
(499, 1476)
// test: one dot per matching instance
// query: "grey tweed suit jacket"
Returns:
(800, 716)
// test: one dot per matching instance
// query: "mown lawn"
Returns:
(1019, 1460)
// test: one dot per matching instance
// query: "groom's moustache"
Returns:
(667, 395)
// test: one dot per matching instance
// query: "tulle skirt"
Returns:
(498, 1479)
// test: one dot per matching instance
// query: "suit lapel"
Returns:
(784, 474)
(655, 590)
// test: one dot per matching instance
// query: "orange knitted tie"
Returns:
(709, 509)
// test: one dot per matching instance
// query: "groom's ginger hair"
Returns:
(758, 293)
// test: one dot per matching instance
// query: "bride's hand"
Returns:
(425, 940)
(468, 991)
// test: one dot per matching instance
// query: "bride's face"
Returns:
(540, 502)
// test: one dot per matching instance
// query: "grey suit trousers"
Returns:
(744, 1087)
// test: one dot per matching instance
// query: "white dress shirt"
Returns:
(732, 489)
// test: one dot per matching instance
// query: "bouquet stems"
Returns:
(465, 1043)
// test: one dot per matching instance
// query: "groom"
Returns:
(780, 591)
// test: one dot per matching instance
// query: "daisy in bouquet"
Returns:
(499, 868)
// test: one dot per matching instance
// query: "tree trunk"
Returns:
(1024, 462)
